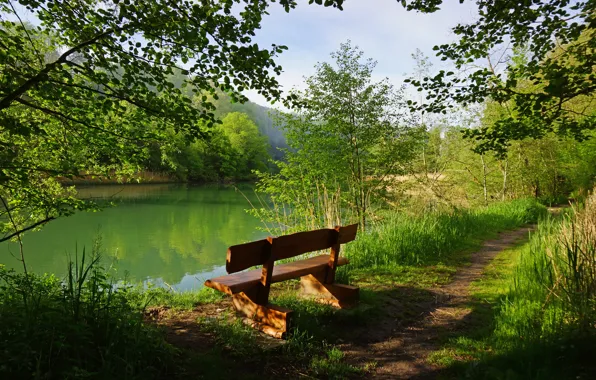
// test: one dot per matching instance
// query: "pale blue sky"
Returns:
(383, 29)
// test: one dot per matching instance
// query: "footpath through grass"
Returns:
(87, 327)
(534, 310)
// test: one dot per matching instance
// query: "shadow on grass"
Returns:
(470, 352)
(570, 358)
(239, 351)
(317, 329)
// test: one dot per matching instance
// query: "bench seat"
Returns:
(242, 281)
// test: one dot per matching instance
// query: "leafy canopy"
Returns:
(543, 89)
(350, 136)
(78, 90)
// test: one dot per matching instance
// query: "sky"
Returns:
(383, 29)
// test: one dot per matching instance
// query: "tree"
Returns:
(246, 141)
(346, 142)
(77, 90)
(560, 43)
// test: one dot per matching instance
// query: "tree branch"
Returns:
(17, 233)
(113, 94)
(8, 99)
(60, 115)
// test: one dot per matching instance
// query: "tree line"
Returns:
(358, 147)
(89, 91)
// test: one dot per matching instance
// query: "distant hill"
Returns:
(259, 115)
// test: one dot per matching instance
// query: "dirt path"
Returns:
(400, 352)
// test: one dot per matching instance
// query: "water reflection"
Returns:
(165, 233)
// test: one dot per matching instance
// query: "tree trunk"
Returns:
(484, 187)
(504, 191)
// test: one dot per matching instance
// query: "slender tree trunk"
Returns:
(484, 186)
(504, 191)
(22, 253)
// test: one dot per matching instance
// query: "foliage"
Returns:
(447, 172)
(545, 91)
(84, 326)
(557, 278)
(348, 138)
(235, 149)
(263, 117)
(249, 146)
(79, 89)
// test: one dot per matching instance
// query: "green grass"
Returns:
(331, 366)
(487, 293)
(86, 326)
(317, 327)
(178, 299)
(83, 326)
(426, 250)
(436, 238)
(309, 347)
(525, 323)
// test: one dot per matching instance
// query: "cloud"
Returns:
(383, 29)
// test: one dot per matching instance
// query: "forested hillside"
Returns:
(263, 117)
(243, 142)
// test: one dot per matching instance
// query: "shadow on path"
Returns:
(400, 344)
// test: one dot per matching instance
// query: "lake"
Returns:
(170, 235)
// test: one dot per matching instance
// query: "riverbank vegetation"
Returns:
(536, 307)
(50, 319)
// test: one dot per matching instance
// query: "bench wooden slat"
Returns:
(239, 282)
(244, 256)
(347, 233)
(296, 244)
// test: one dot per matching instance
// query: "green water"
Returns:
(166, 234)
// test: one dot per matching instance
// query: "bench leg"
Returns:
(270, 319)
(338, 295)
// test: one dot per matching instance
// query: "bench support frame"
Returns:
(270, 319)
(318, 282)
(338, 295)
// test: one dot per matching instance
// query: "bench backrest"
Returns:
(260, 252)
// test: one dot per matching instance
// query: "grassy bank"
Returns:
(84, 326)
(437, 242)
(535, 309)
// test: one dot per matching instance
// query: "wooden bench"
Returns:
(250, 289)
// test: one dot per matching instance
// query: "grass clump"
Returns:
(83, 326)
(181, 300)
(332, 366)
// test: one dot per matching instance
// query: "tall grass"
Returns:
(82, 326)
(543, 321)
(434, 237)
(553, 293)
